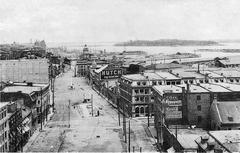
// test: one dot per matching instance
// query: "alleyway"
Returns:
(84, 132)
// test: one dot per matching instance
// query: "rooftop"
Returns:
(231, 60)
(229, 112)
(194, 88)
(231, 86)
(167, 75)
(229, 138)
(228, 72)
(212, 74)
(134, 77)
(153, 76)
(187, 74)
(167, 89)
(214, 87)
(100, 69)
(187, 137)
(23, 89)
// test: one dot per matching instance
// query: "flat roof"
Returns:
(212, 74)
(187, 137)
(228, 72)
(194, 88)
(231, 86)
(228, 109)
(23, 89)
(161, 89)
(229, 138)
(153, 76)
(188, 74)
(214, 87)
(134, 77)
(167, 75)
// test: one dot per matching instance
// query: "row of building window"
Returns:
(3, 137)
(142, 91)
(4, 125)
(3, 114)
(142, 98)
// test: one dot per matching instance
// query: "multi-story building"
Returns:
(35, 97)
(190, 77)
(231, 75)
(136, 93)
(4, 128)
(15, 126)
(182, 104)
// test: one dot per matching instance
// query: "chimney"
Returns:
(188, 88)
(204, 139)
(183, 90)
(210, 145)
(198, 71)
(29, 84)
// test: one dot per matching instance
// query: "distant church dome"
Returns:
(85, 49)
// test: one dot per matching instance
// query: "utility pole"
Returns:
(149, 100)
(129, 135)
(119, 120)
(124, 124)
(69, 106)
(41, 110)
(92, 103)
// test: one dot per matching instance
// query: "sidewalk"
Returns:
(35, 135)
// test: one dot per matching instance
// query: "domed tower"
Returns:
(85, 49)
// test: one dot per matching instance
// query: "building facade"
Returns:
(4, 128)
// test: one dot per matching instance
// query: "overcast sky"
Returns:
(118, 20)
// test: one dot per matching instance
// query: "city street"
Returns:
(74, 128)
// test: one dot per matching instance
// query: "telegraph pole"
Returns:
(119, 120)
(124, 124)
(41, 110)
(129, 134)
(92, 103)
(69, 107)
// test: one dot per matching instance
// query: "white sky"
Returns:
(118, 20)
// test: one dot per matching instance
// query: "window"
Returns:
(231, 80)
(198, 97)
(142, 99)
(154, 83)
(206, 81)
(201, 81)
(191, 81)
(160, 82)
(136, 98)
(173, 83)
(168, 83)
(178, 82)
(179, 108)
(138, 83)
(144, 83)
(237, 80)
(136, 91)
(38, 101)
(199, 108)
(216, 80)
(221, 80)
(199, 119)
(186, 82)
(141, 90)
(146, 91)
